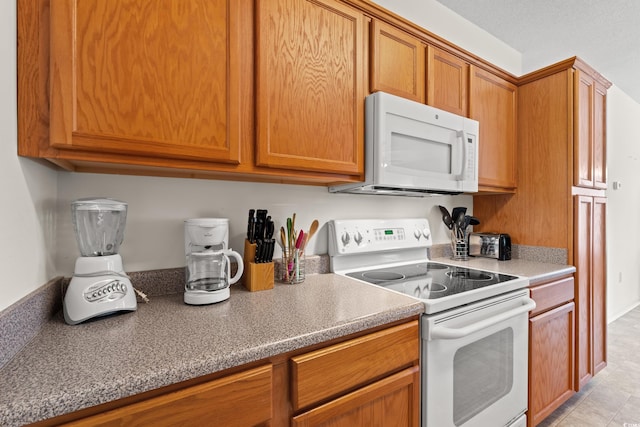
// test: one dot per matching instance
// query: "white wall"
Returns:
(159, 206)
(28, 190)
(623, 205)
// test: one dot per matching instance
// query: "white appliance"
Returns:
(474, 352)
(412, 149)
(208, 269)
(99, 285)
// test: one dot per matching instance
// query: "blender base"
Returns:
(98, 287)
(206, 297)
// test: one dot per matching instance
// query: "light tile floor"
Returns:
(611, 398)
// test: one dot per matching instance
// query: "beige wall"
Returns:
(623, 204)
(28, 190)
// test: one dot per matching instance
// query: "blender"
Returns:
(99, 285)
(208, 267)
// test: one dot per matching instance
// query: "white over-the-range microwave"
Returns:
(412, 149)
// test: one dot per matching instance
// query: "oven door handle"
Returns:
(442, 332)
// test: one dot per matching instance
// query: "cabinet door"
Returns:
(397, 62)
(447, 81)
(590, 151)
(492, 102)
(583, 132)
(241, 399)
(599, 285)
(583, 236)
(310, 95)
(148, 78)
(599, 137)
(392, 401)
(551, 361)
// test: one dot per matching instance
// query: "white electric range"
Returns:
(474, 350)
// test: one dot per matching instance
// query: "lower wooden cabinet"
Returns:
(551, 348)
(242, 399)
(366, 381)
(391, 401)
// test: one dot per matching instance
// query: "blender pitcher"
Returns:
(209, 270)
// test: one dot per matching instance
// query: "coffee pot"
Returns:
(208, 269)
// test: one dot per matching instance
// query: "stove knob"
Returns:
(426, 233)
(358, 238)
(417, 234)
(345, 239)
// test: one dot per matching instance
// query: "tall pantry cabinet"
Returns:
(561, 200)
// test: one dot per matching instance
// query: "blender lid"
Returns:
(99, 204)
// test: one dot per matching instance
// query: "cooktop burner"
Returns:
(430, 280)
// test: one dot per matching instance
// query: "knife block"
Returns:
(257, 277)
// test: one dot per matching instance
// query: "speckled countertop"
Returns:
(67, 368)
(537, 272)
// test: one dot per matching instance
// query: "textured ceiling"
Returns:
(604, 33)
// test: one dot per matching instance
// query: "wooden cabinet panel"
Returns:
(148, 78)
(310, 91)
(397, 62)
(551, 337)
(551, 295)
(447, 81)
(340, 368)
(590, 151)
(599, 285)
(241, 399)
(392, 401)
(543, 201)
(599, 137)
(492, 101)
(583, 145)
(583, 258)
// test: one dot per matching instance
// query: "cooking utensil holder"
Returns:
(459, 244)
(257, 276)
(293, 266)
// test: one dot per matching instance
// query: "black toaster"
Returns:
(490, 245)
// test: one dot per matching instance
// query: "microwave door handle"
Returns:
(442, 332)
(462, 135)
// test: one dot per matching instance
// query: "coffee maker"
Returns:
(208, 270)
(99, 285)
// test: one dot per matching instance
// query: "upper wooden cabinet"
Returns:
(247, 89)
(492, 102)
(447, 81)
(147, 78)
(590, 151)
(310, 86)
(148, 87)
(397, 62)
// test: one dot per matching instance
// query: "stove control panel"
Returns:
(353, 236)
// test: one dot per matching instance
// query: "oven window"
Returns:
(482, 374)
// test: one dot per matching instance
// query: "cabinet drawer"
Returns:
(333, 370)
(236, 400)
(550, 295)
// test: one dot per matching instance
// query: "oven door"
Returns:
(475, 363)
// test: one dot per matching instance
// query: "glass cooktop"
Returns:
(429, 280)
